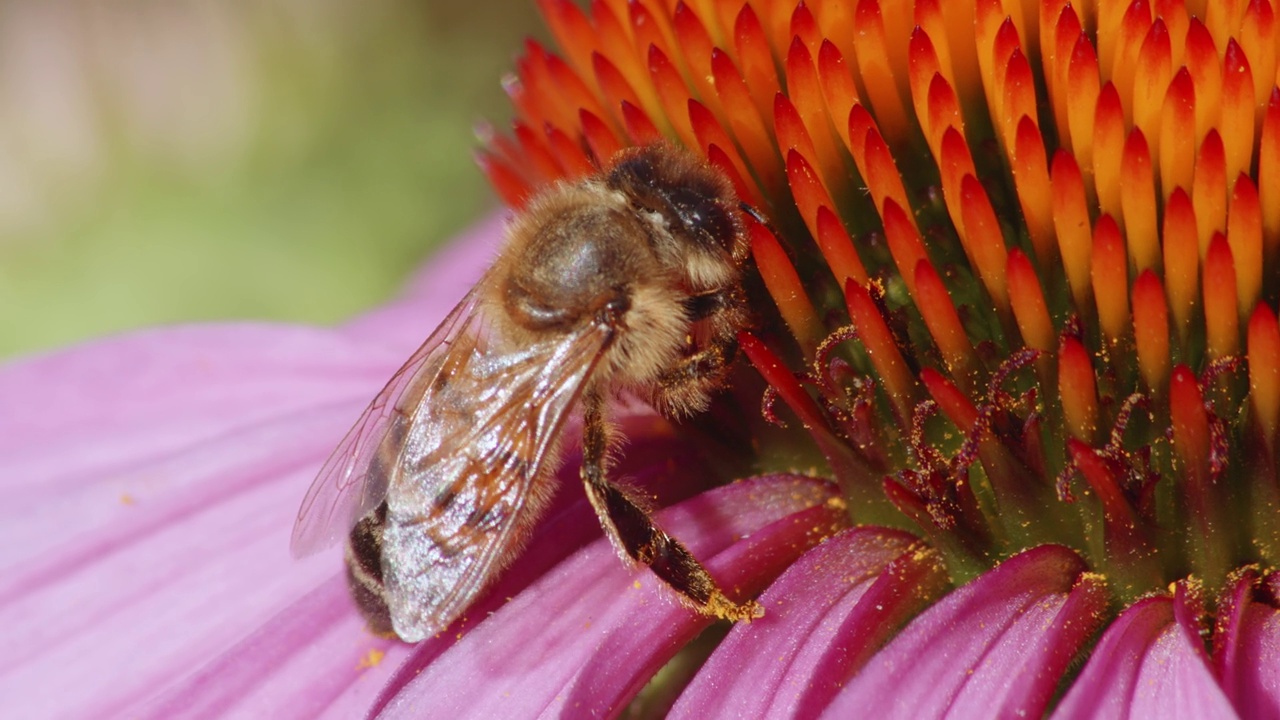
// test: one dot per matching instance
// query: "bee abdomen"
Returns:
(364, 570)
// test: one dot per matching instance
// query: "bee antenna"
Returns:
(754, 213)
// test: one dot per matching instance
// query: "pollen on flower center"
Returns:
(1016, 280)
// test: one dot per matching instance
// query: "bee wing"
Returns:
(467, 496)
(354, 479)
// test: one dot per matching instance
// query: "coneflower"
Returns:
(1016, 300)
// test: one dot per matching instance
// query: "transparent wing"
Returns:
(469, 489)
(354, 479)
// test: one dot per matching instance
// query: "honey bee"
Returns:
(629, 280)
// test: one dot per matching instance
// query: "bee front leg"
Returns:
(634, 534)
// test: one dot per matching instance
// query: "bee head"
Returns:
(696, 203)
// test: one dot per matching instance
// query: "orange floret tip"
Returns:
(673, 94)
(985, 238)
(943, 321)
(1190, 426)
(784, 286)
(875, 160)
(1083, 89)
(1205, 66)
(1152, 73)
(1110, 275)
(953, 402)
(1071, 225)
(1028, 303)
(873, 53)
(1237, 120)
(1264, 370)
(837, 248)
(806, 98)
(602, 140)
(837, 86)
(1151, 330)
(1138, 201)
(881, 347)
(1209, 190)
(1181, 260)
(1076, 387)
(1108, 149)
(1057, 53)
(1269, 173)
(639, 127)
(1031, 175)
(749, 128)
(942, 112)
(1220, 312)
(1177, 134)
(1244, 233)
(904, 243)
(756, 58)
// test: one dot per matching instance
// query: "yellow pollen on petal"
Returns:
(371, 659)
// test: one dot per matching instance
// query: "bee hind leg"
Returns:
(634, 533)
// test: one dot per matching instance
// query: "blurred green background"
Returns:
(282, 159)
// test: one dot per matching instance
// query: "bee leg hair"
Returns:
(636, 536)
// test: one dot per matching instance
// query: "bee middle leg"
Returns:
(634, 533)
(685, 387)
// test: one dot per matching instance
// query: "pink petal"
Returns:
(996, 647)
(314, 657)
(588, 635)
(1247, 648)
(826, 615)
(1149, 663)
(150, 483)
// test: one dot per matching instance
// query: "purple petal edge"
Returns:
(1147, 664)
(826, 614)
(994, 647)
(1247, 646)
(586, 637)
